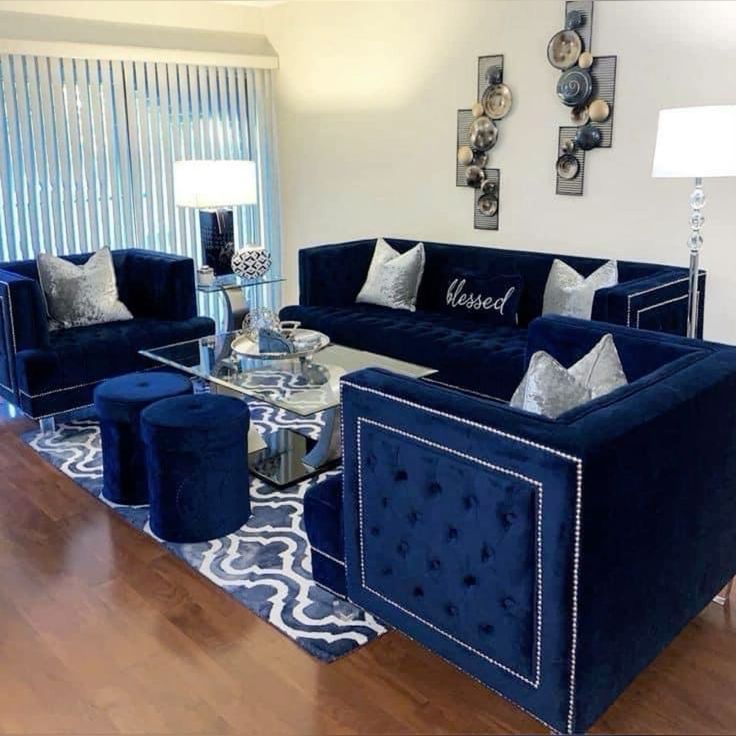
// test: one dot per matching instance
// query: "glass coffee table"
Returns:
(302, 386)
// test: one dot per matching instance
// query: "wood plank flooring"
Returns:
(103, 632)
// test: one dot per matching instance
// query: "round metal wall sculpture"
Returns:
(586, 86)
(477, 136)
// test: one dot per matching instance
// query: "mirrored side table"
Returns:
(234, 290)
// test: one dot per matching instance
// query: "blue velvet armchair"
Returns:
(550, 559)
(46, 372)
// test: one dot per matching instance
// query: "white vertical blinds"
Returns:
(87, 150)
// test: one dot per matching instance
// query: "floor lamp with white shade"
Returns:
(696, 143)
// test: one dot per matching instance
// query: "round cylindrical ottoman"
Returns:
(197, 463)
(119, 403)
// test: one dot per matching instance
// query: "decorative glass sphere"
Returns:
(696, 220)
(697, 199)
(695, 241)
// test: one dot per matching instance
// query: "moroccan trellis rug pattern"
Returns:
(266, 565)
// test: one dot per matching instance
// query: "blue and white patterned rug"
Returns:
(266, 565)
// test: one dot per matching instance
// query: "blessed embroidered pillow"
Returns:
(489, 299)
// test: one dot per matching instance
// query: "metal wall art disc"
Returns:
(574, 87)
(494, 75)
(569, 146)
(588, 137)
(574, 19)
(483, 133)
(489, 187)
(497, 101)
(488, 205)
(465, 155)
(564, 49)
(567, 166)
(599, 111)
(474, 176)
(586, 60)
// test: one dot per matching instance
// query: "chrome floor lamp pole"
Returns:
(695, 242)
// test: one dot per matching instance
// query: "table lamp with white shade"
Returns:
(696, 143)
(214, 188)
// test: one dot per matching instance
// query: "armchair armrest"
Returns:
(657, 302)
(332, 275)
(23, 324)
(157, 285)
(461, 518)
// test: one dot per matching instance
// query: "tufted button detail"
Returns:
(384, 502)
(418, 591)
(470, 581)
(375, 531)
(470, 502)
(508, 519)
(451, 609)
(485, 553)
(400, 475)
(434, 564)
(403, 548)
(452, 534)
(435, 488)
(387, 570)
(508, 603)
(370, 460)
(413, 516)
(486, 629)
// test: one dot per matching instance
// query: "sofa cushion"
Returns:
(460, 350)
(483, 298)
(86, 355)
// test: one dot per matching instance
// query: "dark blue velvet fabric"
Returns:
(46, 372)
(551, 559)
(330, 276)
(197, 465)
(119, 403)
(459, 350)
(323, 524)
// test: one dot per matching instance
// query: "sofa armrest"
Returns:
(157, 285)
(23, 324)
(332, 275)
(657, 302)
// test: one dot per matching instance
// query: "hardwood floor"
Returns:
(102, 631)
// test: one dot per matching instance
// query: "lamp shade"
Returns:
(214, 184)
(696, 142)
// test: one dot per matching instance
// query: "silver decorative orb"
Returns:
(251, 262)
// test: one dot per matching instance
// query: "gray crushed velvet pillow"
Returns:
(568, 293)
(393, 278)
(550, 389)
(81, 295)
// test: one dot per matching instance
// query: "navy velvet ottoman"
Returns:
(197, 463)
(324, 526)
(119, 403)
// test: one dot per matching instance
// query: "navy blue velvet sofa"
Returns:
(550, 559)
(46, 372)
(649, 296)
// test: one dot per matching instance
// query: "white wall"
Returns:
(368, 93)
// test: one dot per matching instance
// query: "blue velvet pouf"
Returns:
(119, 403)
(197, 464)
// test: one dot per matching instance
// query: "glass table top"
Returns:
(299, 385)
(233, 281)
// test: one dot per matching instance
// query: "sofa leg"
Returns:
(724, 597)
(47, 425)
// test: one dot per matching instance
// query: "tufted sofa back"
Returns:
(332, 275)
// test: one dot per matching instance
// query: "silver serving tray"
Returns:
(307, 342)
